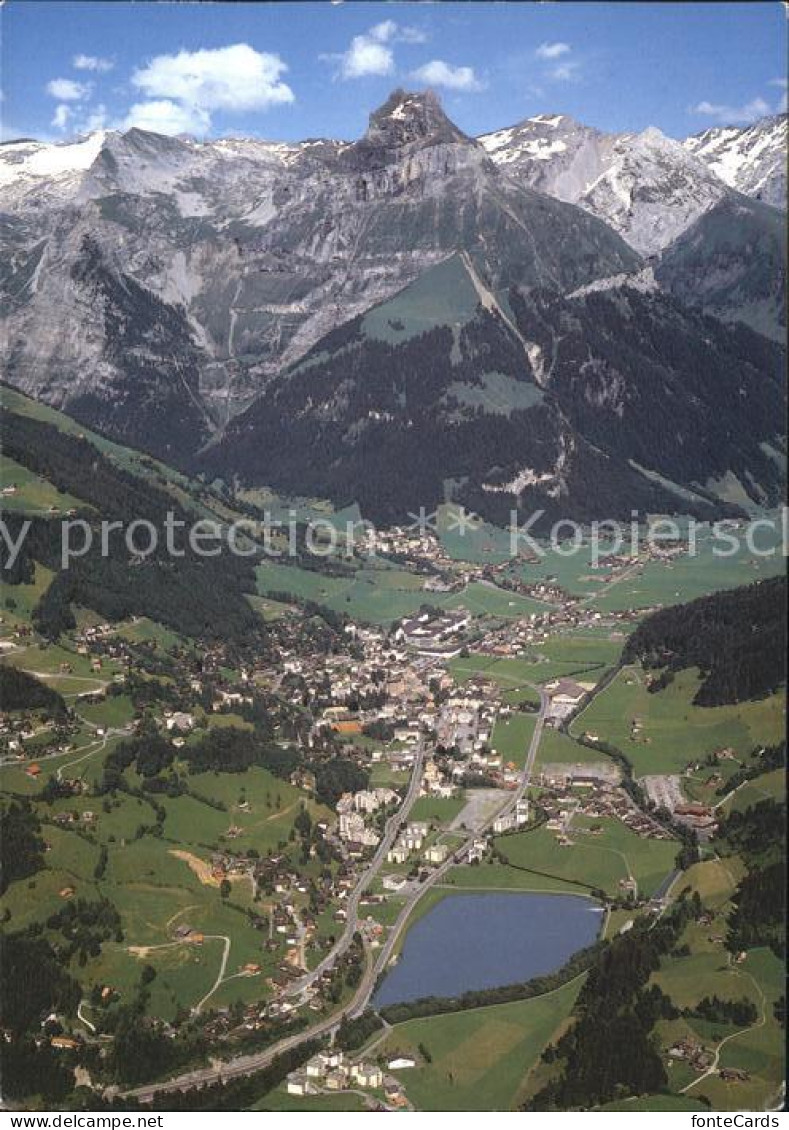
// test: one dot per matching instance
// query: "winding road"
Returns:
(256, 1061)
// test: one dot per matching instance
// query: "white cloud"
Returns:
(168, 117)
(371, 53)
(733, 115)
(66, 90)
(224, 78)
(552, 50)
(92, 63)
(383, 32)
(62, 116)
(366, 56)
(390, 32)
(439, 73)
(565, 72)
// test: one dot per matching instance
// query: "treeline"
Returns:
(668, 359)
(609, 1051)
(197, 595)
(83, 926)
(758, 836)
(21, 691)
(34, 982)
(353, 1033)
(742, 1012)
(769, 758)
(478, 998)
(737, 640)
(338, 776)
(224, 749)
(23, 848)
(239, 1094)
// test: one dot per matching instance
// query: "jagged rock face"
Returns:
(256, 250)
(646, 186)
(410, 121)
(552, 153)
(751, 159)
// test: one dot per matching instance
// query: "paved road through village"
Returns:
(256, 1061)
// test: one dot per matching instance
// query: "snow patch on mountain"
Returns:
(751, 159)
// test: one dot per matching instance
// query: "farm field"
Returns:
(158, 882)
(598, 861)
(382, 594)
(34, 495)
(19, 600)
(49, 663)
(269, 609)
(583, 657)
(689, 577)
(674, 732)
(280, 1100)
(478, 1058)
(377, 595)
(114, 712)
(437, 810)
(557, 748)
(488, 600)
(765, 787)
(511, 737)
(144, 630)
(708, 970)
(656, 1104)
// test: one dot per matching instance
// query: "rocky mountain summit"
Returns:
(751, 159)
(647, 186)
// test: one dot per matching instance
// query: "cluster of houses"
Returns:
(691, 1052)
(352, 808)
(410, 840)
(602, 796)
(332, 1071)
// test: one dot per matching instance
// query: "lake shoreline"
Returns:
(473, 940)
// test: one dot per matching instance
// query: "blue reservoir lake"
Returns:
(481, 941)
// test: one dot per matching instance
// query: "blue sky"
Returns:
(288, 71)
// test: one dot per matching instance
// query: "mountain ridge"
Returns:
(160, 289)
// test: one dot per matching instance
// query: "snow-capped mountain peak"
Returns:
(32, 159)
(751, 159)
(646, 185)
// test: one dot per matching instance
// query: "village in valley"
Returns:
(271, 823)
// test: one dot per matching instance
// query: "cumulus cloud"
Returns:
(165, 116)
(92, 63)
(223, 78)
(439, 73)
(366, 56)
(371, 53)
(67, 90)
(552, 50)
(733, 115)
